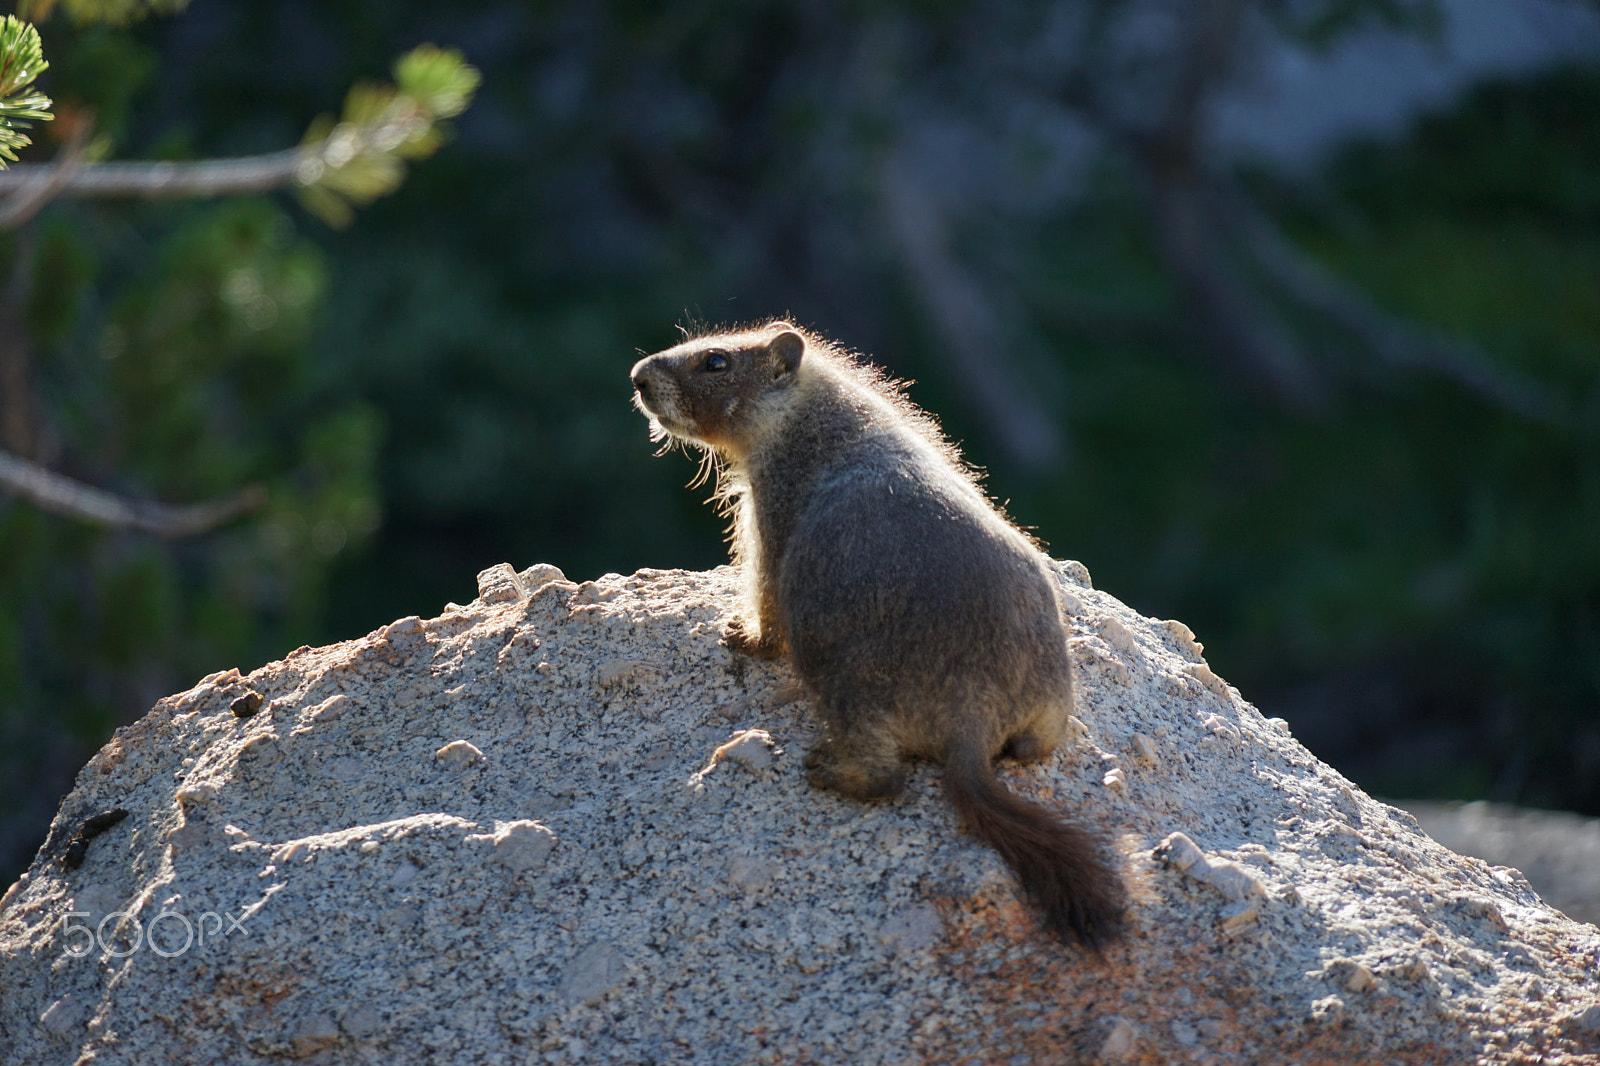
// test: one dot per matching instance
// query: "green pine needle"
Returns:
(438, 78)
(21, 61)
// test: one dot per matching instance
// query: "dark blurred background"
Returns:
(1282, 316)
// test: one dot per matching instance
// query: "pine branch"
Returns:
(339, 166)
(64, 496)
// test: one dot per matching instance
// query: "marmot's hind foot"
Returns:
(1030, 745)
(852, 777)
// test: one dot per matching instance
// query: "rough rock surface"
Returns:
(563, 824)
(1558, 851)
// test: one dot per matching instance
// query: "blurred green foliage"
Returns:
(176, 369)
(166, 351)
(1411, 576)
(106, 12)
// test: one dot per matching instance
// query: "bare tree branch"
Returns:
(45, 184)
(1206, 61)
(61, 495)
(1171, 156)
(210, 177)
(971, 330)
(1240, 320)
(1206, 230)
(1390, 338)
(17, 399)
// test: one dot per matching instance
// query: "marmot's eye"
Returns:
(714, 363)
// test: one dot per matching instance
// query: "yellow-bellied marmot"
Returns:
(924, 622)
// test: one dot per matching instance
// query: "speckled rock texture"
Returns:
(1559, 851)
(563, 824)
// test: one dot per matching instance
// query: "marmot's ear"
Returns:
(787, 349)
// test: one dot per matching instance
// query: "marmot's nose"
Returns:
(642, 386)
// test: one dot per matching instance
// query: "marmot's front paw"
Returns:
(738, 637)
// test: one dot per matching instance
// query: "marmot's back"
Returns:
(894, 570)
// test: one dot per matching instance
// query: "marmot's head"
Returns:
(721, 391)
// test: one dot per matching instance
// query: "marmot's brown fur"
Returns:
(924, 622)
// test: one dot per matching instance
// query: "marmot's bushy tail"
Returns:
(1062, 867)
